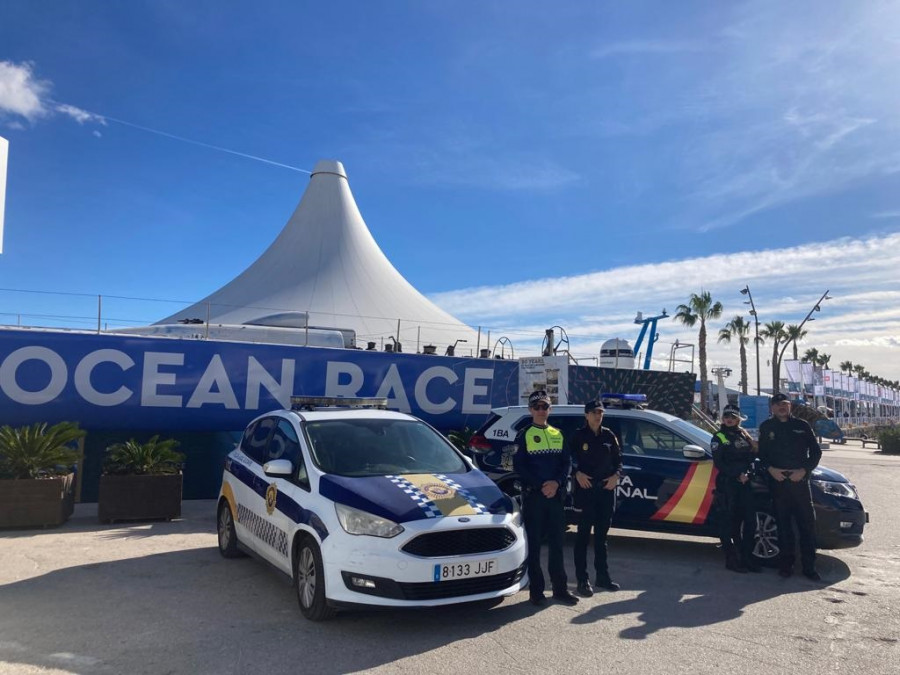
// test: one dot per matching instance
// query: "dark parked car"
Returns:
(668, 478)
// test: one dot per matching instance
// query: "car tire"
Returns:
(228, 541)
(765, 539)
(309, 582)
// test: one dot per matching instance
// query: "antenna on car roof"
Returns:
(314, 402)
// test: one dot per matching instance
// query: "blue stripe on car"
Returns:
(284, 503)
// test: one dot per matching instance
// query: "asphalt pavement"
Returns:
(157, 598)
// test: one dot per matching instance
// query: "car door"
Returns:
(246, 468)
(660, 488)
(286, 497)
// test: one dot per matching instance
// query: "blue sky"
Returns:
(523, 165)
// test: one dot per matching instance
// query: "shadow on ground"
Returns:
(684, 584)
(192, 611)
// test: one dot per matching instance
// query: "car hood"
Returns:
(824, 473)
(417, 496)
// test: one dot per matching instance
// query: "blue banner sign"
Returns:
(108, 381)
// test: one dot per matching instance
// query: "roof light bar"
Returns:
(313, 402)
(637, 398)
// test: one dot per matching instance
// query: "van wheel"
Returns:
(228, 541)
(309, 582)
(765, 539)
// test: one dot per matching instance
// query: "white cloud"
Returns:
(21, 95)
(79, 115)
(860, 321)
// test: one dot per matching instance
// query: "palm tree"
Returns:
(859, 369)
(700, 308)
(775, 331)
(794, 335)
(740, 330)
(811, 355)
(823, 360)
(847, 366)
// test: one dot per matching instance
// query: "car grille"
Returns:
(460, 587)
(460, 542)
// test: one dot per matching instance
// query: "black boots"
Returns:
(733, 562)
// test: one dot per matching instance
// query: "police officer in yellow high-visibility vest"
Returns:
(733, 455)
(543, 464)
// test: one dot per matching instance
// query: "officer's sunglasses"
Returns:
(540, 406)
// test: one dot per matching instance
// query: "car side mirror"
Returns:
(278, 467)
(694, 452)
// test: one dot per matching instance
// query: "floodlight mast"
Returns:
(746, 291)
(816, 308)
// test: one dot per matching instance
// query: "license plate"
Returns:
(464, 570)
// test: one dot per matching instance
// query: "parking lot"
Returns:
(158, 598)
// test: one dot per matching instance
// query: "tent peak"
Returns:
(329, 166)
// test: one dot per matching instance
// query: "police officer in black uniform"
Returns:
(733, 455)
(542, 462)
(789, 451)
(597, 461)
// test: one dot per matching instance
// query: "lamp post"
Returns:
(746, 291)
(777, 369)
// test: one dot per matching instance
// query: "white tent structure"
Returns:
(326, 270)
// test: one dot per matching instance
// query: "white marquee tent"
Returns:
(325, 265)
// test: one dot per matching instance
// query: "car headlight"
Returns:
(836, 489)
(516, 512)
(355, 521)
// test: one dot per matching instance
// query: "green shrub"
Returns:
(133, 458)
(38, 450)
(890, 440)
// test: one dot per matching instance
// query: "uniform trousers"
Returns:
(793, 504)
(736, 509)
(597, 506)
(544, 519)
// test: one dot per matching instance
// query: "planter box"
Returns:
(139, 497)
(37, 502)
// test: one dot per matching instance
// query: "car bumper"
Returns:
(840, 527)
(394, 578)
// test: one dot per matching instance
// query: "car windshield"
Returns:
(373, 447)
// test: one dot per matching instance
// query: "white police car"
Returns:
(364, 506)
(668, 475)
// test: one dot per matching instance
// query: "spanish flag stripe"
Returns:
(707, 500)
(687, 507)
(673, 500)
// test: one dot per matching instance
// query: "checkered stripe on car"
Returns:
(428, 506)
(462, 492)
(263, 529)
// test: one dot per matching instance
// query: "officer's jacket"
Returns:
(541, 455)
(596, 455)
(788, 445)
(732, 452)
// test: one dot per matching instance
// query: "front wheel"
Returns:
(228, 542)
(765, 539)
(309, 582)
